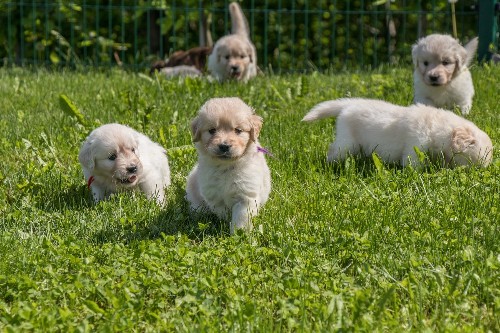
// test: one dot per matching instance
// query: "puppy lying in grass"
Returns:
(441, 77)
(115, 157)
(231, 178)
(365, 126)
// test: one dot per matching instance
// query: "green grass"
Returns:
(344, 247)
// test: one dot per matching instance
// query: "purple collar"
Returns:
(264, 150)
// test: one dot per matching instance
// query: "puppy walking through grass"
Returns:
(233, 56)
(442, 77)
(231, 178)
(115, 157)
(365, 126)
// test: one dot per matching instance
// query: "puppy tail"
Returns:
(328, 109)
(239, 23)
(471, 48)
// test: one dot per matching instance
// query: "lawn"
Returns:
(343, 247)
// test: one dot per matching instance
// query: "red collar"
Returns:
(91, 180)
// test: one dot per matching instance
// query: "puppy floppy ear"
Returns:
(135, 146)
(195, 130)
(86, 156)
(137, 151)
(461, 139)
(414, 54)
(249, 52)
(471, 48)
(461, 59)
(218, 53)
(256, 125)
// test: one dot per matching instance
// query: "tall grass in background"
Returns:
(343, 247)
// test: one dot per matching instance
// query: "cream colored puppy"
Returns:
(365, 126)
(441, 77)
(115, 157)
(231, 178)
(233, 56)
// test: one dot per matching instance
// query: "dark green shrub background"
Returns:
(289, 35)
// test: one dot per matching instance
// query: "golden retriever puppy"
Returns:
(233, 56)
(231, 178)
(365, 126)
(441, 77)
(115, 157)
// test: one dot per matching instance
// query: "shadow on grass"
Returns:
(356, 165)
(364, 166)
(173, 219)
(74, 197)
(144, 221)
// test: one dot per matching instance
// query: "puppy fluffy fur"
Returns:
(231, 178)
(115, 157)
(392, 131)
(234, 56)
(441, 77)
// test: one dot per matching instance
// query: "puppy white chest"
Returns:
(223, 187)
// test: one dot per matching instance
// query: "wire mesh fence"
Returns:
(289, 35)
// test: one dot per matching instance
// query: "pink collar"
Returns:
(90, 181)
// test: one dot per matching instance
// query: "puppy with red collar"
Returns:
(115, 158)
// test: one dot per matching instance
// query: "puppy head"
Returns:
(470, 145)
(225, 127)
(234, 56)
(438, 59)
(110, 153)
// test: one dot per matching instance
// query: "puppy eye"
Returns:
(446, 62)
(112, 157)
(426, 63)
(242, 56)
(133, 150)
(227, 57)
(212, 131)
(238, 130)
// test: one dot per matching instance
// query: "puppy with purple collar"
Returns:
(231, 177)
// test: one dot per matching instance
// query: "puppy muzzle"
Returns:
(435, 80)
(235, 71)
(131, 175)
(224, 151)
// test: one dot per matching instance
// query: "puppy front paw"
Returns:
(242, 214)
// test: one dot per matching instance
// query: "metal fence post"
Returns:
(488, 27)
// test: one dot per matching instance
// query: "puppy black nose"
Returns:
(132, 168)
(224, 147)
(235, 69)
(433, 78)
